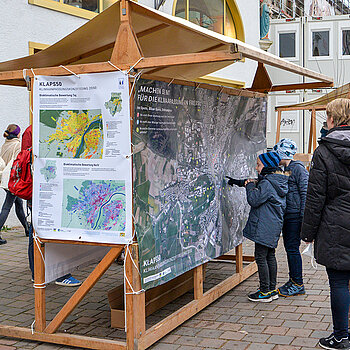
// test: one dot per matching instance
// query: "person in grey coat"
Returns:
(293, 217)
(267, 198)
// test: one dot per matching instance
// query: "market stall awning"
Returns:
(319, 102)
(169, 47)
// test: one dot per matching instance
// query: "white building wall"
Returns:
(334, 65)
(21, 23)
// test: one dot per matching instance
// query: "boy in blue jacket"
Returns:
(293, 217)
(267, 198)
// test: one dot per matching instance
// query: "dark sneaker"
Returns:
(2, 241)
(260, 296)
(290, 289)
(332, 343)
(274, 294)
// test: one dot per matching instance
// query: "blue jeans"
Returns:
(291, 239)
(6, 207)
(340, 301)
(31, 250)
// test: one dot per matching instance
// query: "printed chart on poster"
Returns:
(186, 140)
(82, 168)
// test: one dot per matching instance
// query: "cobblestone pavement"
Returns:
(232, 322)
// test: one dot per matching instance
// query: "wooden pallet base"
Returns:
(62, 338)
(144, 339)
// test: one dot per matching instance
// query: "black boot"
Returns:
(2, 241)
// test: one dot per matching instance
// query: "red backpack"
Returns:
(21, 180)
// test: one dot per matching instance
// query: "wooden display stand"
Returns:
(126, 55)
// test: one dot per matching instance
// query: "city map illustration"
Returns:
(94, 204)
(185, 213)
(71, 134)
(49, 170)
(114, 105)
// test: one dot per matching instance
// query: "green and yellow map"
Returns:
(49, 170)
(114, 105)
(71, 134)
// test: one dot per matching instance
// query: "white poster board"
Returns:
(82, 165)
(290, 119)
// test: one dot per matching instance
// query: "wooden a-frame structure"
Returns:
(314, 105)
(130, 36)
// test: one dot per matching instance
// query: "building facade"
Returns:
(320, 44)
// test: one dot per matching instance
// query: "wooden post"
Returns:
(198, 282)
(129, 300)
(310, 135)
(139, 299)
(278, 131)
(239, 258)
(314, 138)
(39, 291)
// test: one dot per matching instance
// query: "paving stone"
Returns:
(260, 346)
(209, 333)
(212, 343)
(310, 342)
(233, 335)
(271, 322)
(235, 345)
(186, 340)
(280, 339)
(276, 330)
(161, 346)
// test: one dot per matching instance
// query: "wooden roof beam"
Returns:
(277, 62)
(301, 86)
(150, 62)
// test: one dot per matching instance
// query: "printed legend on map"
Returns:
(82, 168)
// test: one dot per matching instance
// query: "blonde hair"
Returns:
(339, 110)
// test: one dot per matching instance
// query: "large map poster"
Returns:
(186, 140)
(82, 168)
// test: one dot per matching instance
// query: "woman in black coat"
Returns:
(327, 216)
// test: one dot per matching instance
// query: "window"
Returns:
(287, 45)
(221, 16)
(345, 42)
(81, 8)
(90, 5)
(320, 43)
(36, 47)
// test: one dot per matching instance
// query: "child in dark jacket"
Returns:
(293, 217)
(267, 198)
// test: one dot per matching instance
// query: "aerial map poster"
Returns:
(82, 168)
(186, 140)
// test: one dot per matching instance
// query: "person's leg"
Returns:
(6, 207)
(263, 269)
(340, 301)
(291, 239)
(31, 250)
(20, 214)
(272, 264)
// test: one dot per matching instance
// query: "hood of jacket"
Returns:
(292, 165)
(338, 142)
(279, 181)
